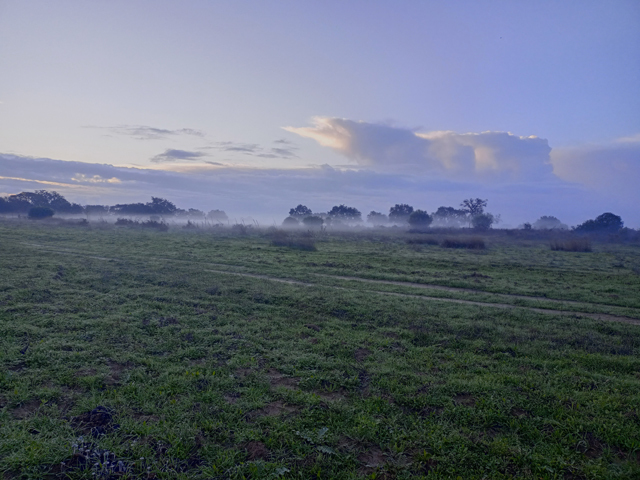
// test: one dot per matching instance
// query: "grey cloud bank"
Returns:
(268, 194)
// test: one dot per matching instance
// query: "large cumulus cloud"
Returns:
(487, 156)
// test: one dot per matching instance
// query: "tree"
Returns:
(131, 209)
(313, 222)
(291, 222)
(96, 209)
(473, 206)
(300, 211)
(161, 206)
(607, 222)
(420, 219)
(549, 222)
(40, 212)
(342, 212)
(217, 216)
(377, 218)
(22, 202)
(449, 217)
(195, 213)
(483, 221)
(400, 213)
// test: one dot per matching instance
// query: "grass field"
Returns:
(126, 353)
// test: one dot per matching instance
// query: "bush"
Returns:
(313, 221)
(190, 225)
(40, 212)
(482, 221)
(160, 226)
(573, 245)
(280, 238)
(126, 222)
(549, 222)
(469, 243)
(240, 229)
(290, 222)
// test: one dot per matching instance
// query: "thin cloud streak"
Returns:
(145, 132)
(174, 155)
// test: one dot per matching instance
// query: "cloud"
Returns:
(256, 150)
(81, 178)
(144, 132)
(486, 156)
(172, 155)
(612, 169)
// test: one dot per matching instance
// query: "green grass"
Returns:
(205, 366)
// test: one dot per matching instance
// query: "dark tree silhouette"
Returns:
(22, 202)
(300, 211)
(474, 206)
(40, 212)
(161, 206)
(449, 217)
(483, 221)
(420, 219)
(343, 212)
(400, 212)
(313, 222)
(377, 218)
(96, 209)
(607, 222)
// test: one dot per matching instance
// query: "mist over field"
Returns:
(333, 240)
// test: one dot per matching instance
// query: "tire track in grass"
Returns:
(595, 316)
(548, 311)
(443, 288)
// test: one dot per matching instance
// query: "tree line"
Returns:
(42, 203)
(470, 213)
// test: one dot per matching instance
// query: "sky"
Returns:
(254, 107)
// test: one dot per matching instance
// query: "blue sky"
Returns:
(264, 105)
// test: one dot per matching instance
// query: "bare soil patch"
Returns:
(256, 451)
(96, 422)
(371, 459)
(361, 354)
(26, 409)
(465, 399)
(277, 379)
(116, 373)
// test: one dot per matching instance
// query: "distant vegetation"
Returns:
(470, 214)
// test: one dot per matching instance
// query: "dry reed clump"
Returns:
(572, 245)
(468, 243)
(305, 241)
(422, 241)
(154, 224)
